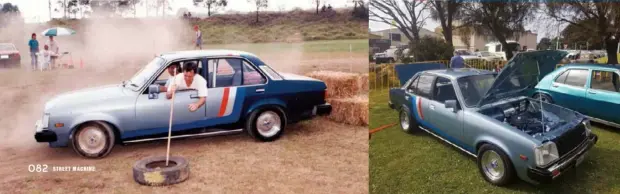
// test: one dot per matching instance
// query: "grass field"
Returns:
(357, 46)
(420, 163)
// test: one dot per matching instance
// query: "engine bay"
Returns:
(525, 115)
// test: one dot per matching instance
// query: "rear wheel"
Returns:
(543, 97)
(407, 123)
(494, 165)
(93, 140)
(266, 124)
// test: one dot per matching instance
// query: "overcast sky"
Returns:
(38, 10)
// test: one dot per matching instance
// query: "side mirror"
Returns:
(451, 104)
(153, 91)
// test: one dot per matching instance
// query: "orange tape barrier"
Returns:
(381, 128)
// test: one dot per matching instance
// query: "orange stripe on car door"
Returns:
(224, 102)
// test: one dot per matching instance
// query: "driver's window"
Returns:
(443, 90)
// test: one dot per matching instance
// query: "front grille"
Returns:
(571, 139)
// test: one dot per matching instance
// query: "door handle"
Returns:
(406, 97)
(432, 107)
(260, 90)
(193, 96)
(591, 92)
(555, 85)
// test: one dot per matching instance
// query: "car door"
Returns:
(447, 121)
(419, 98)
(568, 89)
(603, 96)
(228, 90)
(153, 114)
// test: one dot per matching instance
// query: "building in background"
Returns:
(527, 40)
(398, 39)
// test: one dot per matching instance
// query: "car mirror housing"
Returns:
(153, 91)
(451, 104)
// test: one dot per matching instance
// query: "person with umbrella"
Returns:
(52, 44)
(53, 47)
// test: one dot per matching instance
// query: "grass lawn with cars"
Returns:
(421, 163)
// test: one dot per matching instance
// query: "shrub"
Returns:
(431, 49)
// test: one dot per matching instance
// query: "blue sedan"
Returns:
(593, 90)
(244, 94)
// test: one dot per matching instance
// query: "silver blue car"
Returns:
(244, 94)
(488, 116)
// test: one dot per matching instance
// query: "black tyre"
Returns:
(494, 165)
(154, 172)
(93, 140)
(406, 121)
(266, 124)
(544, 97)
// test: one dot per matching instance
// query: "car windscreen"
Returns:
(146, 72)
(6, 47)
(475, 87)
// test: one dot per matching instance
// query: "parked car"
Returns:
(244, 94)
(488, 116)
(488, 56)
(591, 89)
(9, 55)
(388, 56)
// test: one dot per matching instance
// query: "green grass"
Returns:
(357, 46)
(420, 163)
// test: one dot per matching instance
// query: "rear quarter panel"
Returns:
(294, 96)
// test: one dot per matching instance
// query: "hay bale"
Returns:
(352, 110)
(364, 82)
(339, 84)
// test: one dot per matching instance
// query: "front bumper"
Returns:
(323, 109)
(571, 160)
(44, 135)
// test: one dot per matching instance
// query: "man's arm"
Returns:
(170, 90)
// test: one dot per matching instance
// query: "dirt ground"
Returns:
(315, 156)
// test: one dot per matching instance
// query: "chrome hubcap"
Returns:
(492, 165)
(404, 120)
(268, 123)
(92, 140)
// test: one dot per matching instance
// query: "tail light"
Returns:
(16, 55)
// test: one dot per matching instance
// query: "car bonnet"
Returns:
(523, 71)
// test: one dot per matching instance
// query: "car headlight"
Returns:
(546, 153)
(586, 124)
(45, 121)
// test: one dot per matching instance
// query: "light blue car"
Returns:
(488, 116)
(591, 89)
(244, 94)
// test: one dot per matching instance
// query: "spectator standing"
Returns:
(198, 37)
(53, 48)
(457, 61)
(34, 50)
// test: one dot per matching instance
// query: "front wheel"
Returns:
(266, 124)
(494, 165)
(93, 140)
(543, 97)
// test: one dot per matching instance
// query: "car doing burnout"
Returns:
(591, 89)
(9, 55)
(243, 94)
(487, 116)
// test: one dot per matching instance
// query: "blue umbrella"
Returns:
(58, 31)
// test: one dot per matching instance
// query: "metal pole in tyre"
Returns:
(162, 170)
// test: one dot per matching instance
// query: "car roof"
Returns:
(459, 72)
(592, 65)
(203, 53)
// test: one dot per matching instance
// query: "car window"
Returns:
(271, 73)
(413, 84)
(604, 80)
(562, 77)
(251, 76)
(227, 72)
(424, 85)
(165, 75)
(577, 77)
(443, 90)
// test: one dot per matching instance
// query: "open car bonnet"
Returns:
(523, 71)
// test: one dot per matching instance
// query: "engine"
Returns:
(521, 114)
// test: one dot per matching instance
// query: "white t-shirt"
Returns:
(199, 83)
(53, 46)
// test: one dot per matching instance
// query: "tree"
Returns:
(9, 8)
(259, 4)
(465, 33)
(317, 3)
(603, 14)
(445, 12)
(409, 21)
(544, 44)
(211, 5)
(502, 20)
